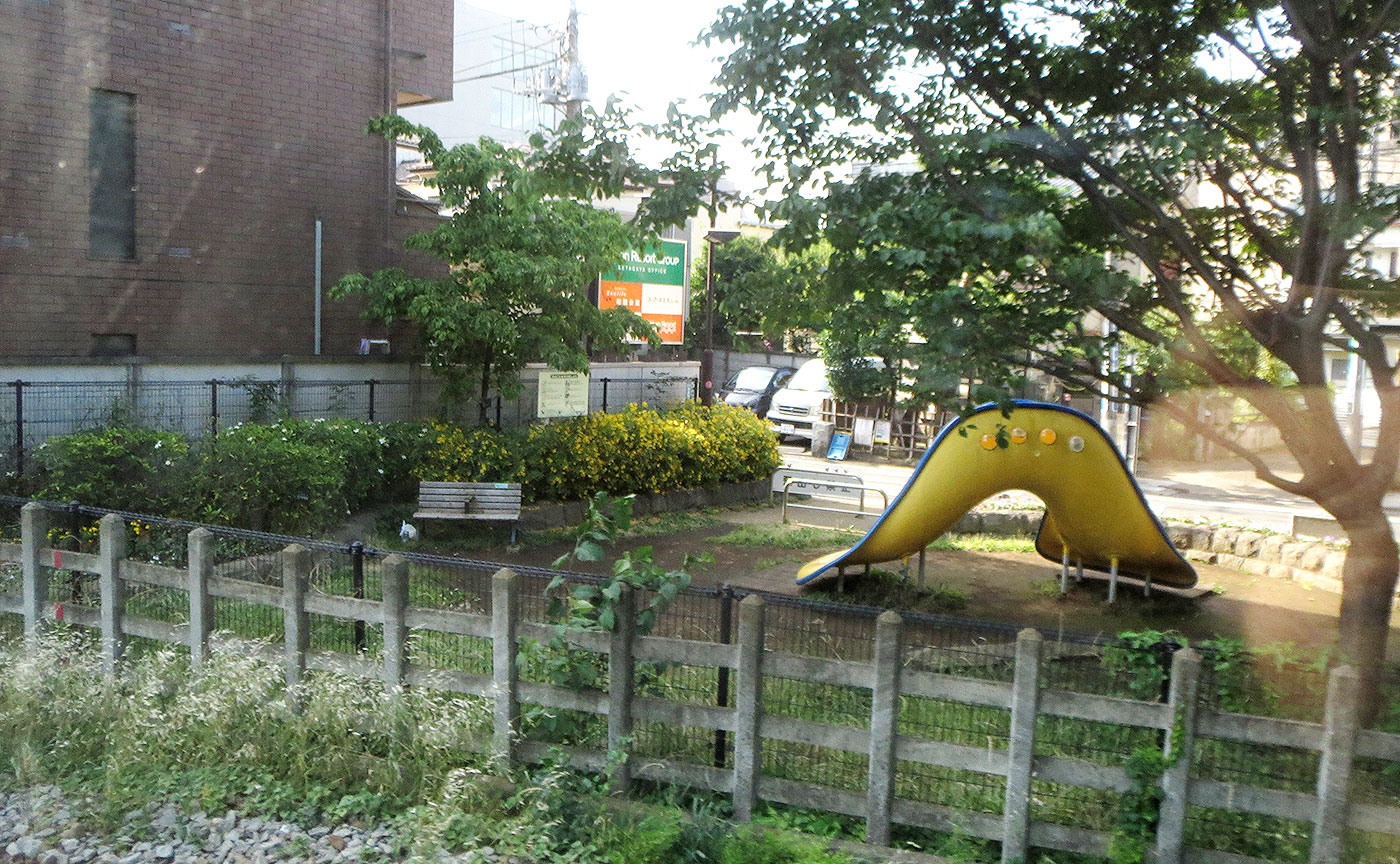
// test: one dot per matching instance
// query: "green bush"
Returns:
(408, 446)
(137, 470)
(299, 475)
(644, 450)
(359, 447)
(256, 477)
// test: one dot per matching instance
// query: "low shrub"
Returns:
(469, 455)
(298, 475)
(644, 450)
(137, 470)
(257, 477)
(359, 447)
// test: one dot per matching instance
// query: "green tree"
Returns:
(760, 288)
(522, 245)
(1218, 150)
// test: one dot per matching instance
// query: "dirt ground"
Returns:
(1016, 588)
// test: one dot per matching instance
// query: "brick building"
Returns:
(164, 164)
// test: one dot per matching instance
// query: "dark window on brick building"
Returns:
(112, 175)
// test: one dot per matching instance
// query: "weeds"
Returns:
(784, 537)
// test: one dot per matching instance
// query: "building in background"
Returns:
(172, 174)
(503, 79)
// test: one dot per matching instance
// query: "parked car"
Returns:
(799, 403)
(753, 387)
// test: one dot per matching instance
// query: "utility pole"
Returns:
(575, 80)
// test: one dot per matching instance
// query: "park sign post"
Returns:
(651, 283)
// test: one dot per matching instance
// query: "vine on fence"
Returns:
(590, 607)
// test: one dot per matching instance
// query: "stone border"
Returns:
(557, 514)
(1312, 563)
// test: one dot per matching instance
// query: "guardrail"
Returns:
(828, 486)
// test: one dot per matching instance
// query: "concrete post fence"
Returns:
(201, 567)
(505, 675)
(892, 678)
(111, 589)
(34, 536)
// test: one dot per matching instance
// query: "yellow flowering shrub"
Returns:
(469, 455)
(644, 450)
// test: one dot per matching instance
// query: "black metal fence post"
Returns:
(75, 577)
(19, 428)
(371, 382)
(605, 394)
(498, 412)
(726, 627)
(357, 590)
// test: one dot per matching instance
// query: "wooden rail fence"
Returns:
(1328, 808)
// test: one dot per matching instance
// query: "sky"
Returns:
(641, 50)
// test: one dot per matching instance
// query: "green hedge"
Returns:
(294, 476)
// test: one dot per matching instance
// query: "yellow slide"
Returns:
(1094, 511)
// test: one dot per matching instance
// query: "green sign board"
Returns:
(660, 263)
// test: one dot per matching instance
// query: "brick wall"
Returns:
(249, 126)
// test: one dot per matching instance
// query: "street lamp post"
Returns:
(707, 359)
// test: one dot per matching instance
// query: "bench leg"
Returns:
(512, 534)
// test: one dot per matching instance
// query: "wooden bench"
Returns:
(486, 502)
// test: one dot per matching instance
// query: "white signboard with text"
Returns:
(562, 394)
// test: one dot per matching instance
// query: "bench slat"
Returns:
(467, 501)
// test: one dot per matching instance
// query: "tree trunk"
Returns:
(1368, 589)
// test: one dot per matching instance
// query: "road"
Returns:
(1171, 491)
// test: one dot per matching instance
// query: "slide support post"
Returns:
(1113, 582)
(1064, 571)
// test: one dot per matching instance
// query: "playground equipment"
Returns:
(1095, 514)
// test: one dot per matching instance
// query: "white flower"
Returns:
(383, 440)
(158, 443)
(381, 470)
(167, 463)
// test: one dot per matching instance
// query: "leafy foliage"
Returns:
(256, 477)
(1195, 175)
(136, 469)
(589, 607)
(759, 288)
(644, 450)
(521, 254)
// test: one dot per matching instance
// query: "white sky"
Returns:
(641, 50)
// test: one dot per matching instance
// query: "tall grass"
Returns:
(229, 733)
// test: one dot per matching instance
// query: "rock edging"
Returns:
(1313, 563)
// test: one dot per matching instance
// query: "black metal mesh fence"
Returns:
(31, 412)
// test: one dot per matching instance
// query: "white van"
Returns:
(799, 403)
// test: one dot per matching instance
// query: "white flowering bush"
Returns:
(122, 468)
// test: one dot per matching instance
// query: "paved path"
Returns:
(1226, 490)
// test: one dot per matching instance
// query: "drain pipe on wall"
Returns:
(317, 346)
